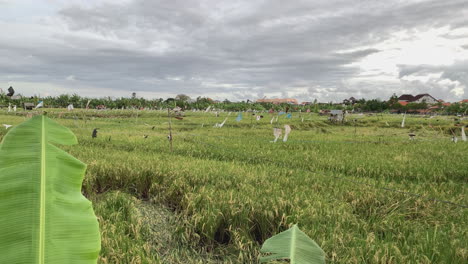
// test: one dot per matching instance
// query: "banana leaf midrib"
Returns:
(293, 246)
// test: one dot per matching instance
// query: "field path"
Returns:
(162, 222)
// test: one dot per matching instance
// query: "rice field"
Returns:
(362, 190)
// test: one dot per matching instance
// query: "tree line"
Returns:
(200, 103)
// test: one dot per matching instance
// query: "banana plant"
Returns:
(44, 217)
(295, 245)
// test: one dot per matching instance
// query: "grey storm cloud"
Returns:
(455, 72)
(237, 49)
(456, 75)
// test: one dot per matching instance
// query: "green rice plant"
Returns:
(45, 218)
(228, 190)
(125, 238)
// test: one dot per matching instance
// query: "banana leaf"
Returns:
(44, 217)
(295, 245)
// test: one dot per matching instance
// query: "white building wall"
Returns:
(427, 99)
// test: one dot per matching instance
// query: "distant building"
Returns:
(442, 105)
(278, 101)
(406, 98)
(420, 98)
(29, 106)
(464, 101)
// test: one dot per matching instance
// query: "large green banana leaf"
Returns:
(44, 218)
(295, 245)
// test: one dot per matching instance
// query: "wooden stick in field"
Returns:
(170, 127)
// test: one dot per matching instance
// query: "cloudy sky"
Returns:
(248, 49)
